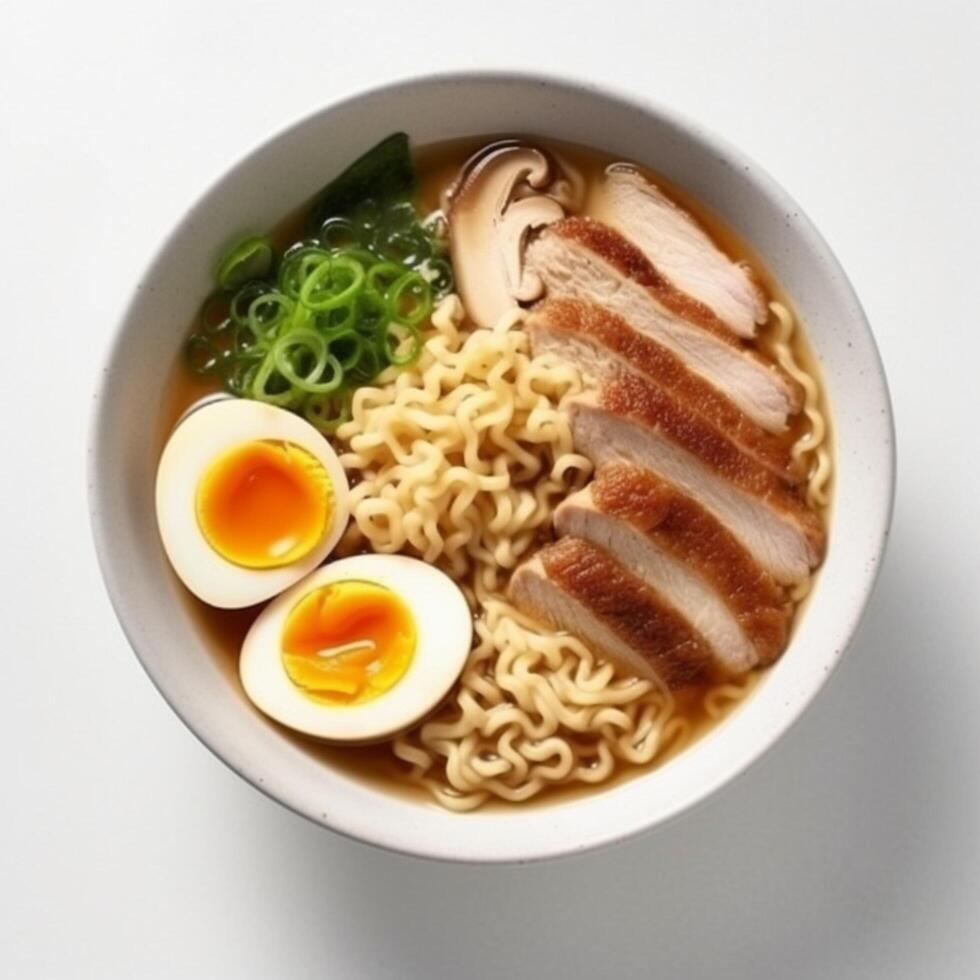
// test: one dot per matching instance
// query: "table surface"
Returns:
(127, 850)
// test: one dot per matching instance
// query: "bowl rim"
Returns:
(691, 130)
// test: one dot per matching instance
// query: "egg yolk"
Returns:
(264, 504)
(348, 642)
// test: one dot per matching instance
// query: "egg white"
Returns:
(444, 635)
(203, 435)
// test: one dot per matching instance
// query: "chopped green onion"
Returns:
(337, 310)
(409, 300)
(214, 317)
(201, 356)
(327, 412)
(350, 340)
(372, 312)
(240, 375)
(249, 259)
(339, 318)
(312, 382)
(371, 364)
(297, 264)
(383, 275)
(402, 344)
(242, 300)
(338, 234)
(410, 247)
(268, 385)
(332, 284)
(266, 313)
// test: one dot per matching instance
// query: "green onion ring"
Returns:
(311, 383)
(333, 299)
(214, 317)
(372, 362)
(201, 356)
(410, 248)
(250, 259)
(372, 312)
(327, 412)
(245, 343)
(339, 318)
(242, 300)
(259, 384)
(365, 256)
(239, 375)
(343, 336)
(382, 276)
(297, 264)
(334, 228)
(393, 342)
(421, 293)
(281, 306)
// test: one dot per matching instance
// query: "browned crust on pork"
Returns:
(630, 262)
(630, 609)
(684, 528)
(633, 397)
(662, 366)
(623, 255)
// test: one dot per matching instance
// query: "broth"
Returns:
(224, 630)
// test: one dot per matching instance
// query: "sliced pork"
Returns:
(574, 586)
(631, 419)
(685, 591)
(603, 345)
(675, 545)
(581, 258)
(677, 244)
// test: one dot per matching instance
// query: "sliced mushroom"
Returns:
(501, 195)
(512, 231)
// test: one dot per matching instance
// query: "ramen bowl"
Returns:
(273, 181)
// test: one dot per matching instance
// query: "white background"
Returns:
(127, 850)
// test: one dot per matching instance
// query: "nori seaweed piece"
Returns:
(385, 173)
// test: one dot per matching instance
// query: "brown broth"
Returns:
(224, 630)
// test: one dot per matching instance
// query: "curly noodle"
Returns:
(460, 460)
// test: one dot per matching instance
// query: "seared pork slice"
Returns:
(601, 344)
(682, 588)
(657, 533)
(574, 586)
(630, 419)
(679, 246)
(582, 258)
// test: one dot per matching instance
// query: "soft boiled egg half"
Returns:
(249, 499)
(359, 650)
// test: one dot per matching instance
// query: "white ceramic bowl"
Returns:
(281, 175)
